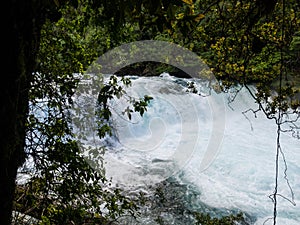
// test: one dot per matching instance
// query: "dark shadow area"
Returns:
(150, 68)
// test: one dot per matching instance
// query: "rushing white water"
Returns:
(179, 130)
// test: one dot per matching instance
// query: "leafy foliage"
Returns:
(63, 187)
(226, 220)
(113, 90)
(241, 42)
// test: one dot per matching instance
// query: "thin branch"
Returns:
(254, 112)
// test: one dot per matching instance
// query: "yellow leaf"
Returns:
(189, 2)
(179, 16)
(199, 17)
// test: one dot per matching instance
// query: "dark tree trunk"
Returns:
(21, 39)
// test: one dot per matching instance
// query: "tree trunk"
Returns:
(23, 20)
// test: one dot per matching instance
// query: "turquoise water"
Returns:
(205, 154)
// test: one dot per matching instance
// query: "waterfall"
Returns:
(203, 141)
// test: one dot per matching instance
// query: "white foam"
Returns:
(241, 174)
